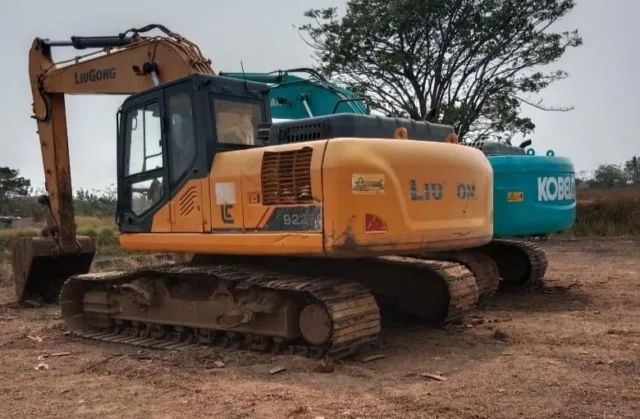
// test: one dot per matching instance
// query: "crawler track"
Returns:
(483, 267)
(431, 291)
(353, 312)
(519, 263)
(268, 305)
(461, 290)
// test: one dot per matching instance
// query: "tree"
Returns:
(632, 169)
(96, 202)
(466, 63)
(609, 175)
(12, 185)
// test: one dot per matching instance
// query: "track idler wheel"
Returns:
(315, 324)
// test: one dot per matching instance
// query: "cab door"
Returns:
(186, 176)
(142, 168)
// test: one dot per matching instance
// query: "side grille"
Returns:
(286, 177)
(188, 201)
(302, 132)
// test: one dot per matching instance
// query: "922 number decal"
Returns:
(307, 218)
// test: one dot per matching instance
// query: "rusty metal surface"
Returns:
(40, 267)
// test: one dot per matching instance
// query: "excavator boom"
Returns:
(125, 64)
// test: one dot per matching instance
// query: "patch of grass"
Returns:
(12, 233)
(613, 194)
(104, 234)
(619, 217)
(101, 229)
(608, 212)
(95, 222)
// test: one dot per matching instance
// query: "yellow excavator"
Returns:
(297, 247)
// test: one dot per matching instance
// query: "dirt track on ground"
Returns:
(569, 351)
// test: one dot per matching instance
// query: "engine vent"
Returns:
(303, 132)
(286, 177)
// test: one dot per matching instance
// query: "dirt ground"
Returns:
(569, 351)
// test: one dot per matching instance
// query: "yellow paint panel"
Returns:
(414, 218)
(351, 180)
(184, 212)
(225, 243)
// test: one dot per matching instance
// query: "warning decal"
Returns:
(515, 196)
(367, 184)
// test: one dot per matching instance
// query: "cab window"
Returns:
(144, 152)
(144, 162)
(182, 141)
(237, 122)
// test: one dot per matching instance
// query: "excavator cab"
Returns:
(169, 135)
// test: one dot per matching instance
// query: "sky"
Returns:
(603, 84)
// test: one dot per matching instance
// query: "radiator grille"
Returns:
(286, 177)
